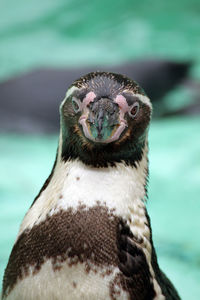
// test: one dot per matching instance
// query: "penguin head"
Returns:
(104, 111)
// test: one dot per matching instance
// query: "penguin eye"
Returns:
(134, 110)
(76, 105)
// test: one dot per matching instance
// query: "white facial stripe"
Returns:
(69, 92)
(144, 99)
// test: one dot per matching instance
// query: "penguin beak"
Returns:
(102, 123)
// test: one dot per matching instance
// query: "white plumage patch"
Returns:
(144, 99)
(69, 92)
(67, 283)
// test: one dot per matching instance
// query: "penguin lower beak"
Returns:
(102, 123)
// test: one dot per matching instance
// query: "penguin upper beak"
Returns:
(102, 123)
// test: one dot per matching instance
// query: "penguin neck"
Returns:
(119, 186)
(137, 167)
(73, 146)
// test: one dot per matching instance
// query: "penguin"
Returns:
(87, 235)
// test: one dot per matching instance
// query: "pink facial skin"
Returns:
(121, 101)
(113, 138)
(86, 101)
(82, 121)
(88, 98)
(117, 134)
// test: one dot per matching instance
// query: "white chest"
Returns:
(120, 188)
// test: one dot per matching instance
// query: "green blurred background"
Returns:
(82, 32)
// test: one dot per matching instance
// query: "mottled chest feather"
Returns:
(94, 238)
